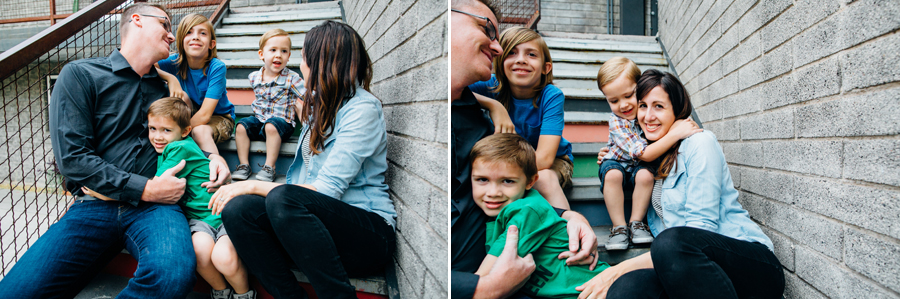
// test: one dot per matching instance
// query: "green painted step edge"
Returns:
(585, 166)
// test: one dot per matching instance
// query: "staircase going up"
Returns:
(237, 45)
(576, 60)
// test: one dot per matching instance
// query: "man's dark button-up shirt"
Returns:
(467, 221)
(98, 126)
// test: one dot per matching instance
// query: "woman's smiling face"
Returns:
(655, 114)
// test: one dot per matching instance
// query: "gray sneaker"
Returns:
(639, 232)
(266, 174)
(241, 173)
(251, 294)
(223, 294)
(618, 238)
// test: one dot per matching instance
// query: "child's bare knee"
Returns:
(225, 262)
(270, 129)
(614, 176)
(644, 177)
(239, 128)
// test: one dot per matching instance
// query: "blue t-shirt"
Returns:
(532, 122)
(200, 87)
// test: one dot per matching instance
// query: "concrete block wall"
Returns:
(407, 41)
(577, 16)
(804, 96)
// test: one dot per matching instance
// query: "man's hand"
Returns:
(166, 188)
(582, 241)
(218, 173)
(509, 272)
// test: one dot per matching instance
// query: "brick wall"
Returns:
(407, 42)
(805, 100)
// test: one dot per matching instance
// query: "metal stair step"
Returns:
(588, 71)
(255, 64)
(290, 12)
(250, 45)
(587, 148)
(288, 148)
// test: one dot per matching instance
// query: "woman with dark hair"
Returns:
(333, 219)
(706, 245)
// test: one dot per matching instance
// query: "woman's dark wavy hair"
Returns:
(681, 106)
(338, 62)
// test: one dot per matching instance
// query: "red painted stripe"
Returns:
(124, 265)
(240, 96)
(586, 133)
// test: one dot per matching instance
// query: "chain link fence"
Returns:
(517, 13)
(31, 191)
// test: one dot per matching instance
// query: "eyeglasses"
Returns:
(166, 23)
(489, 29)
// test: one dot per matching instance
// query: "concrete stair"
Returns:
(576, 60)
(238, 42)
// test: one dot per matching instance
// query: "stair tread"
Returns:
(587, 148)
(291, 12)
(586, 117)
(599, 36)
(260, 29)
(283, 7)
(288, 148)
(602, 45)
(563, 55)
(324, 15)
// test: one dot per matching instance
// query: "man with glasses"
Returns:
(98, 116)
(473, 46)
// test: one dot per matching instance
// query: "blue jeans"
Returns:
(629, 172)
(73, 250)
(256, 130)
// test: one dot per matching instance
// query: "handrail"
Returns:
(27, 51)
(219, 13)
(535, 18)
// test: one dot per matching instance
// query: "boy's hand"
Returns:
(582, 241)
(90, 192)
(684, 128)
(219, 174)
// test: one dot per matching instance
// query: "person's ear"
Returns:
(548, 66)
(531, 182)
(260, 54)
(186, 132)
(212, 44)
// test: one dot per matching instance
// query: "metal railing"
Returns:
(32, 196)
(525, 13)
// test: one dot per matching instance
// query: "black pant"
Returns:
(696, 263)
(326, 238)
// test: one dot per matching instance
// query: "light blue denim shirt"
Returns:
(352, 165)
(699, 193)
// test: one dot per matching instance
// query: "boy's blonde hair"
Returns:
(270, 34)
(507, 148)
(173, 108)
(614, 67)
(509, 39)
(188, 22)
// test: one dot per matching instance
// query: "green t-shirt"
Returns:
(196, 171)
(543, 234)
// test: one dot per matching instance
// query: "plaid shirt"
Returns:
(625, 142)
(276, 98)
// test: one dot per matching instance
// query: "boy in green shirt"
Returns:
(169, 121)
(503, 172)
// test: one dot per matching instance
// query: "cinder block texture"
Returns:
(874, 256)
(834, 280)
(847, 117)
(874, 161)
(875, 62)
(870, 208)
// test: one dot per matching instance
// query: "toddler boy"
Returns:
(277, 91)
